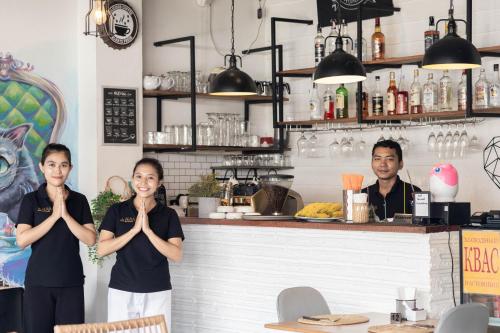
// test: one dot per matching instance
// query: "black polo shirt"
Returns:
(398, 200)
(139, 266)
(55, 259)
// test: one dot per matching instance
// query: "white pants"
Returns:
(123, 305)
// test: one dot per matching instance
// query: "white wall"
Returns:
(320, 179)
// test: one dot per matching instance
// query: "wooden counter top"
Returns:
(374, 227)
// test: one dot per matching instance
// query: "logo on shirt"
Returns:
(127, 219)
(44, 209)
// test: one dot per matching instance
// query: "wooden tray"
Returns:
(400, 328)
(335, 320)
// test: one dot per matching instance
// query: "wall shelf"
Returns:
(315, 122)
(179, 148)
(232, 167)
(435, 115)
(168, 94)
(385, 63)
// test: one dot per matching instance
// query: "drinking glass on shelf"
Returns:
(448, 143)
(464, 142)
(151, 137)
(381, 137)
(361, 145)
(302, 145)
(346, 146)
(440, 142)
(475, 144)
(431, 141)
(312, 146)
(334, 147)
(403, 142)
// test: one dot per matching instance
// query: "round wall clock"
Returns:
(122, 26)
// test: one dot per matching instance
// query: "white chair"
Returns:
(465, 318)
(296, 302)
(155, 324)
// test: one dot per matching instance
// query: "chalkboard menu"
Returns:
(120, 116)
(371, 9)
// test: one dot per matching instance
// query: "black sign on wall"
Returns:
(120, 116)
(327, 10)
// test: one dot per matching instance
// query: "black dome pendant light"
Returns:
(452, 51)
(339, 66)
(232, 81)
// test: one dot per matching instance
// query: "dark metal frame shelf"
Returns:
(162, 148)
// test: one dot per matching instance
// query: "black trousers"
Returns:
(45, 307)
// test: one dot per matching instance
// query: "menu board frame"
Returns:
(475, 281)
(119, 116)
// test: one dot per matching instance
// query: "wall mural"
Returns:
(491, 160)
(32, 113)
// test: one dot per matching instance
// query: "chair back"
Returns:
(296, 302)
(155, 324)
(464, 318)
(11, 310)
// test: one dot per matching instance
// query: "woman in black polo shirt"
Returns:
(145, 234)
(53, 220)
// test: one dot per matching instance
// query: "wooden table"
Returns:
(292, 326)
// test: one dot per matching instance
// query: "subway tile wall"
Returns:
(181, 170)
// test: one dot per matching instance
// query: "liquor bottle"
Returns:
(342, 101)
(346, 42)
(314, 107)
(378, 42)
(377, 99)
(415, 94)
(332, 37)
(364, 102)
(481, 90)
(445, 92)
(430, 95)
(495, 88)
(319, 47)
(328, 104)
(431, 36)
(392, 94)
(402, 97)
(462, 92)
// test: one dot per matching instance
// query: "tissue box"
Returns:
(416, 315)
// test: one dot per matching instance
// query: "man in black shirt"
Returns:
(389, 195)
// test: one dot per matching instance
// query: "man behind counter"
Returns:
(389, 195)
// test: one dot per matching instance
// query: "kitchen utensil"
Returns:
(151, 82)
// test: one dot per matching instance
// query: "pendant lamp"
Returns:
(339, 66)
(452, 51)
(232, 81)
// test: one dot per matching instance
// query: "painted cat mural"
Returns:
(32, 114)
(17, 173)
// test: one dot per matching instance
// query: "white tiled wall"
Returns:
(182, 170)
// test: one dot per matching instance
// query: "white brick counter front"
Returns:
(230, 275)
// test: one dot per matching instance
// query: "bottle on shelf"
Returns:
(330, 42)
(319, 47)
(315, 112)
(377, 99)
(328, 104)
(364, 101)
(495, 88)
(481, 90)
(415, 94)
(392, 94)
(431, 36)
(378, 42)
(462, 92)
(342, 101)
(346, 42)
(445, 92)
(430, 95)
(402, 97)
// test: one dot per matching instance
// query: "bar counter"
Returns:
(233, 270)
(374, 227)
